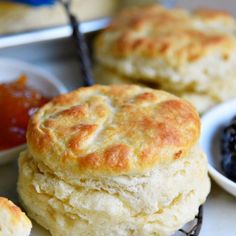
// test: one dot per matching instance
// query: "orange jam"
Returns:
(17, 103)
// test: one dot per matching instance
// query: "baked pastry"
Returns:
(113, 160)
(182, 52)
(13, 222)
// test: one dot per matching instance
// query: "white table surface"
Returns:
(220, 208)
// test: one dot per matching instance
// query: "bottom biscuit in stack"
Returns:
(113, 160)
(115, 206)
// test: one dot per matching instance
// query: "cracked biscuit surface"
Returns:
(112, 130)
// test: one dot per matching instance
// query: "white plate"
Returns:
(212, 123)
(44, 82)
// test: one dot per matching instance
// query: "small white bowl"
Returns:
(42, 81)
(212, 124)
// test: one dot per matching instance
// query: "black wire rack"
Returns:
(81, 45)
(192, 228)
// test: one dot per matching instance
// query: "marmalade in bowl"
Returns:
(17, 104)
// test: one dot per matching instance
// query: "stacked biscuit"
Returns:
(13, 222)
(190, 54)
(113, 160)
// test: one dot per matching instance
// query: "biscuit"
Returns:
(113, 160)
(13, 222)
(115, 205)
(113, 130)
(180, 51)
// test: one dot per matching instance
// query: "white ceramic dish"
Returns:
(44, 82)
(212, 123)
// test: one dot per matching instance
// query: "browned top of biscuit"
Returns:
(177, 36)
(112, 130)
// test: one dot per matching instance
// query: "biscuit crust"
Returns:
(112, 130)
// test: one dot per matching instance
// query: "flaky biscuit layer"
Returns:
(158, 202)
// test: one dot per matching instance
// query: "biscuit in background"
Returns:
(181, 51)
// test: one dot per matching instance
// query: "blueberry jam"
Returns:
(228, 150)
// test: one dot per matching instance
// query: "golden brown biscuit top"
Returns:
(12, 212)
(177, 36)
(112, 130)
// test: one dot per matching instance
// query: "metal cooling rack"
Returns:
(196, 224)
